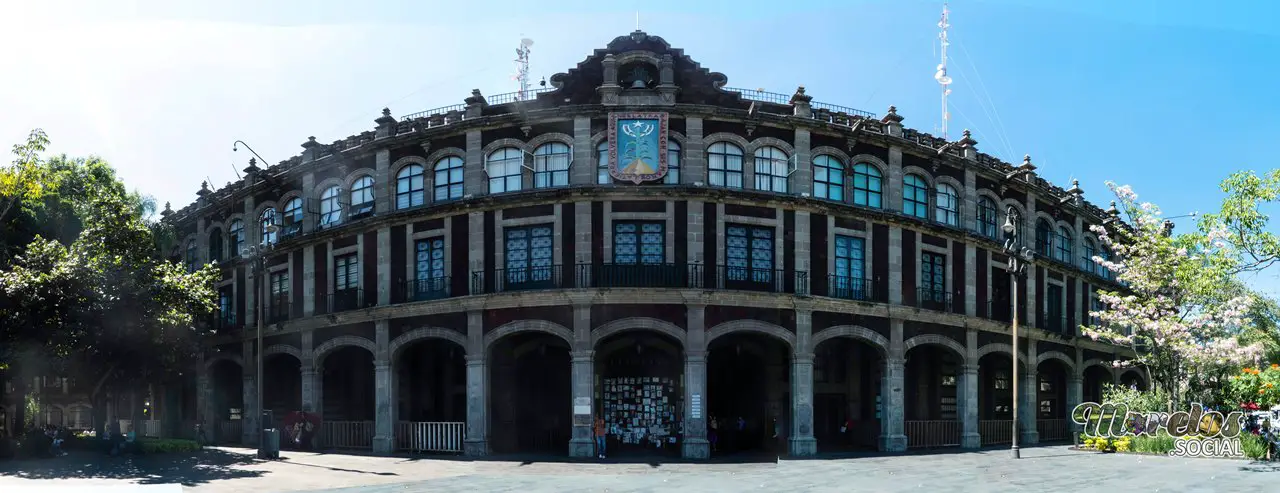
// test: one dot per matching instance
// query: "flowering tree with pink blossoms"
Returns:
(1176, 308)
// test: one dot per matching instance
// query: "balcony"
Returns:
(344, 300)
(1057, 324)
(633, 276)
(753, 279)
(850, 288)
(1000, 311)
(277, 310)
(435, 288)
(521, 279)
(223, 322)
(933, 299)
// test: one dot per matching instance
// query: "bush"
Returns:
(166, 445)
(1253, 446)
(1161, 444)
(1137, 400)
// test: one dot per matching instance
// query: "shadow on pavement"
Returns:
(530, 459)
(188, 470)
(1038, 451)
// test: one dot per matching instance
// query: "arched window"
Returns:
(448, 180)
(410, 189)
(551, 165)
(1044, 238)
(987, 217)
(330, 207)
(602, 164)
(192, 259)
(292, 217)
(361, 197)
(215, 246)
(724, 164)
(236, 232)
(268, 220)
(828, 178)
(503, 166)
(867, 185)
(947, 205)
(1103, 271)
(1090, 251)
(915, 196)
(1063, 253)
(673, 163)
(771, 169)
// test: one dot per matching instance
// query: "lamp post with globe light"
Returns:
(1019, 257)
(257, 254)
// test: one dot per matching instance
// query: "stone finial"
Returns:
(1026, 163)
(800, 96)
(1113, 211)
(967, 140)
(386, 111)
(167, 210)
(310, 143)
(892, 116)
(1075, 187)
(475, 98)
(384, 121)
(204, 189)
(253, 166)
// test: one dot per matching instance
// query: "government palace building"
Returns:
(709, 270)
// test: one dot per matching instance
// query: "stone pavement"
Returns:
(1042, 469)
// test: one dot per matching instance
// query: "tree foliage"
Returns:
(1180, 308)
(1242, 223)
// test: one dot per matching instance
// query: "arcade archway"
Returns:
(227, 421)
(846, 386)
(995, 396)
(1096, 377)
(349, 398)
(640, 389)
(748, 393)
(531, 394)
(431, 395)
(931, 392)
(1052, 415)
(282, 386)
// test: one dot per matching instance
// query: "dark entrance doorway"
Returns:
(1001, 304)
(531, 402)
(748, 388)
(846, 389)
(641, 393)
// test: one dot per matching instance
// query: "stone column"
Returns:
(1029, 233)
(250, 414)
(384, 266)
(969, 437)
(695, 156)
(895, 265)
(971, 280)
(383, 184)
(802, 443)
(1029, 404)
(582, 444)
(474, 179)
(695, 444)
(969, 208)
(384, 439)
(583, 170)
(205, 414)
(893, 181)
(475, 444)
(308, 280)
(475, 252)
(892, 438)
(802, 179)
(802, 255)
(308, 201)
(1075, 396)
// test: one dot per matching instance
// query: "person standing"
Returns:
(711, 434)
(600, 437)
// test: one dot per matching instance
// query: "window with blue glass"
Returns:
(330, 206)
(849, 278)
(410, 191)
(448, 180)
(673, 164)
(828, 178)
(915, 196)
(639, 243)
(192, 260)
(267, 220)
(1090, 251)
(215, 246)
(529, 254)
(279, 303)
(236, 231)
(867, 185)
(987, 217)
(724, 165)
(292, 217)
(551, 165)
(1044, 238)
(749, 253)
(226, 307)
(933, 278)
(1063, 252)
(947, 205)
(361, 197)
(429, 277)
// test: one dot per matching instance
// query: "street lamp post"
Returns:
(1019, 257)
(257, 253)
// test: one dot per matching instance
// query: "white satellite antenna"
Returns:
(941, 76)
(522, 68)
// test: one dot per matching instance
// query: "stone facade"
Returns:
(905, 256)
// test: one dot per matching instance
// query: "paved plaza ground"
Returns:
(1042, 469)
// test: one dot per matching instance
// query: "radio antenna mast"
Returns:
(522, 68)
(941, 76)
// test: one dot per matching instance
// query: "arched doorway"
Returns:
(531, 398)
(349, 399)
(227, 406)
(748, 388)
(1052, 415)
(931, 393)
(282, 387)
(640, 392)
(1132, 378)
(846, 388)
(1096, 377)
(995, 396)
(431, 395)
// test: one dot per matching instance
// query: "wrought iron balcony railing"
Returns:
(434, 288)
(277, 310)
(345, 299)
(519, 279)
(933, 299)
(633, 276)
(851, 288)
(1057, 324)
(753, 279)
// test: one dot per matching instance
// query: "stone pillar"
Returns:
(695, 444)
(695, 156)
(476, 444)
(583, 171)
(1029, 402)
(895, 265)
(308, 280)
(802, 443)
(475, 253)
(802, 254)
(971, 280)
(969, 437)
(250, 414)
(384, 266)
(802, 179)
(474, 179)
(383, 184)
(205, 411)
(893, 181)
(582, 442)
(892, 438)
(969, 207)
(1075, 396)
(308, 202)
(384, 439)
(310, 385)
(1029, 228)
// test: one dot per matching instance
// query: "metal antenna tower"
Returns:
(522, 68)
(941, 76)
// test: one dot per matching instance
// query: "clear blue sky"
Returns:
(1168, 96)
